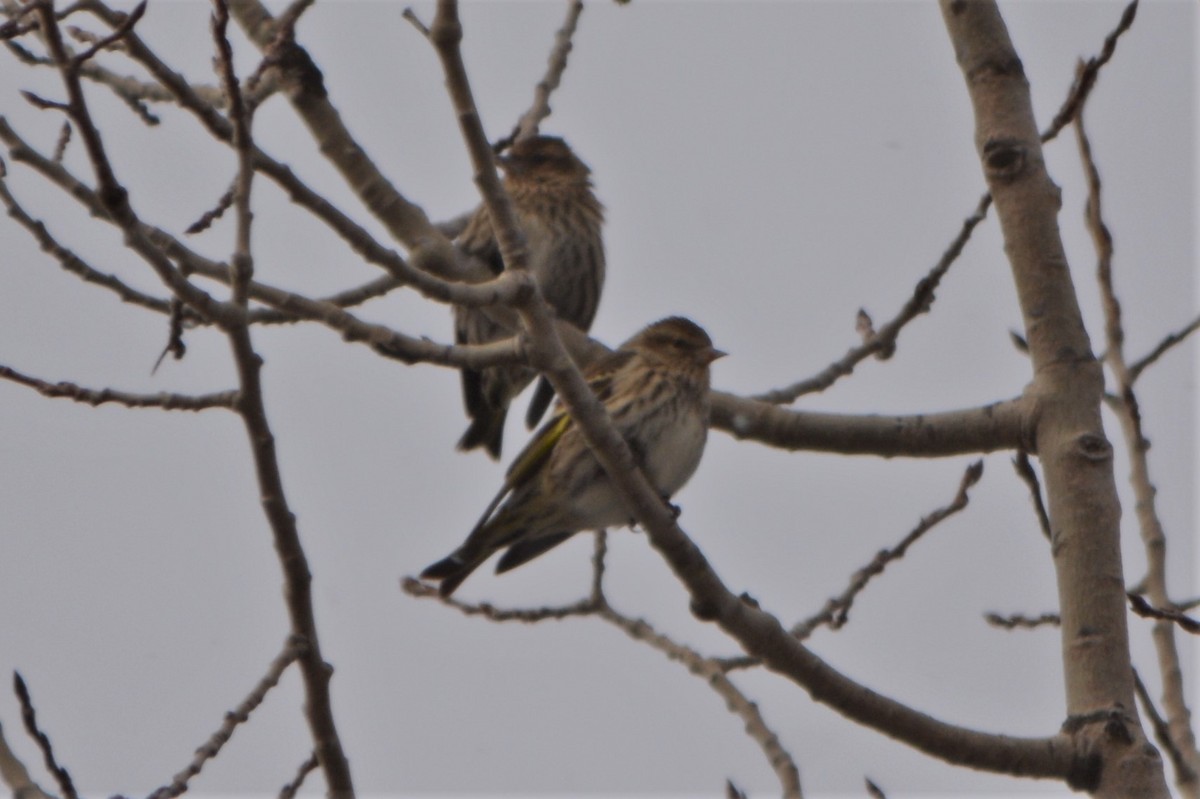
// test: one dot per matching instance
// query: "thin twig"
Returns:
(15, 775)
(64, 138)
(1019, 621)
(599, 553)
(1162, 733)
(411, 17)
(557, 64)
(416, 588)
(164, 400)
(837, 609)
(1171, 340)
(212, 214)
(1085, 78)
(61, 776)
(712, 672)
(884, 341)
(289, 790)
(119, 33)
(69, 261)
(1154, 539)
(923, 297)
(292, 649)
(1027, 474)
(159, 248)
(175, 345)
(1141, 607)
(241, 263)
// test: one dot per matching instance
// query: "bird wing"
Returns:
(530, 461)
(479, 240)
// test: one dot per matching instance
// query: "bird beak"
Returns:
(713, 354)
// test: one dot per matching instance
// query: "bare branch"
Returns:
(175, 346)
(1025, 471)
(883, 342)
(292, 649)
(1162, 733)
(303, 84)
(758, 633)
(711, 671)
(316, 673)
(163, 400)
(157, 246)
(290, 790)
(1018, 621)
(69, 260)
(411, 17)
(61, 776)
(103, 43)
(1171, 340)
(528, 124)
(837, 609)
(224, 202)
(599, 553)
(1067, 386)
(241, 264)
(1085, 78)
(416, 588)
(1129, 414)
(15, 775)
(1141, 607)
(1001, 425)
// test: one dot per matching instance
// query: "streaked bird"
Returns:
(655, 389)
(551, 191)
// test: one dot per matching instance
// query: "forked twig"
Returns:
(837, 609)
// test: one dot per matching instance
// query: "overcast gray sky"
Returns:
(768, 169)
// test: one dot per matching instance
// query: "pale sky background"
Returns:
(768, 169)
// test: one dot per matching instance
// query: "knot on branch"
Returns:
(445, 32)
(704, 610)
(1084, 774)
(1093, 447)
(524, 287)
(1007, 66)
(297, 71)
(1004, 159)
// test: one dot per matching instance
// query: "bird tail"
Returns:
(486, 430)
(542, 394)
(452, 570)
(522, 552)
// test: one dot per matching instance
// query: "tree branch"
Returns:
(760, 634)
(163, 400)
(837, 609)
(557, 64)
(239, 715)
(1154, 539)
(29, 716)
(882, 343)
(1068, 388)
(1001, 425)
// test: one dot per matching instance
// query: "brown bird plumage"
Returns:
(655, 389)
(551, 191)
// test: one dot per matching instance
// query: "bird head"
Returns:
(676, 340)
(543, 157)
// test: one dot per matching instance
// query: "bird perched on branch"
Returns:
(655, 389)
(551, 192)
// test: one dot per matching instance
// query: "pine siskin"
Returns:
(655, 388)
(552, 196)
